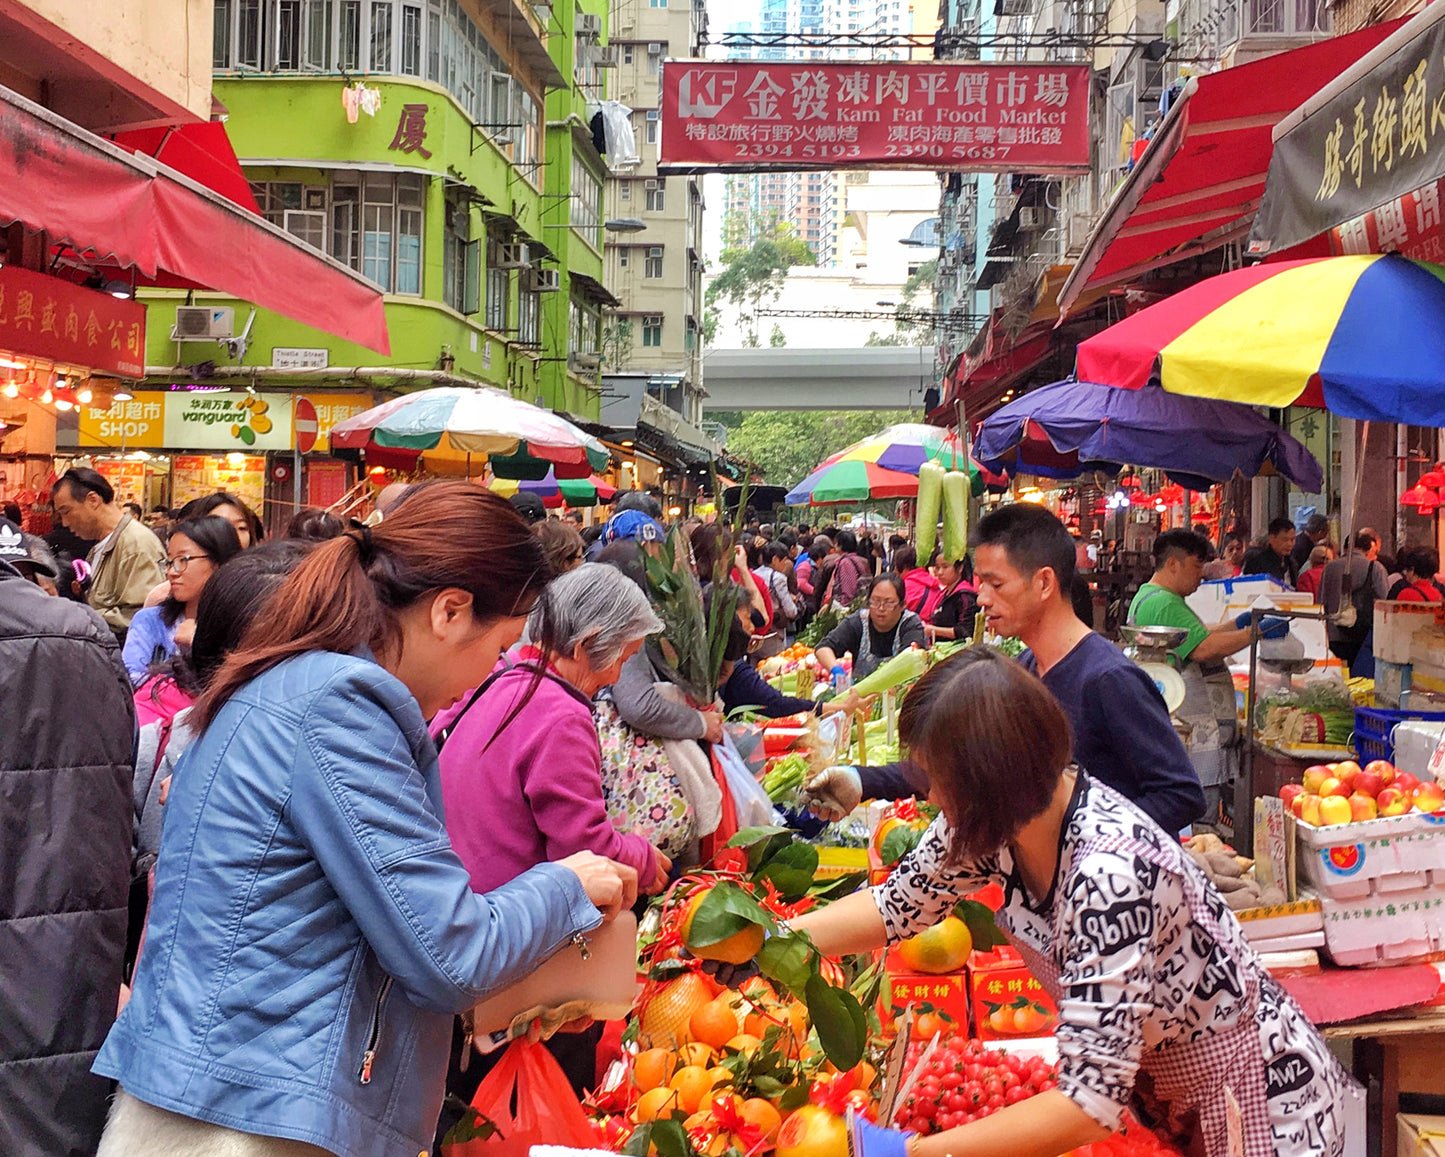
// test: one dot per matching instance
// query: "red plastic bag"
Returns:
(546, 1109)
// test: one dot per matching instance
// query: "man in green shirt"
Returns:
(1208, 707)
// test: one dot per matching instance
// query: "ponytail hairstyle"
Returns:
(350, 590)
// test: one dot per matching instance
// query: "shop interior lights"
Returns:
(123, 395)
(1119, 500)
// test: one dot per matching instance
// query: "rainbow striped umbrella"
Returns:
(518, 439)
(886, 466)
(1363, 336)
(556, 492)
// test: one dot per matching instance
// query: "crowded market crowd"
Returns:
(366, 773)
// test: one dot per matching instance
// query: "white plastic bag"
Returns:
(753, 806)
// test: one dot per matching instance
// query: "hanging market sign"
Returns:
(977, 117)
(222, 420)
(1367, 145)
(59, 321)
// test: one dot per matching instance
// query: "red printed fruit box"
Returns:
(940, 1003)
(1008, 1002)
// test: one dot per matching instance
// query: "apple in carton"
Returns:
(1383, 768)
(1392, 802)
(1405, 782)
(1335, 809)
(1310, 809)
(1297, 804)
(1289, 793)
(1368, 783)
(1363, 807)
(1429, 797)
(1347, 773)
(1333, 787)
(1314, 776)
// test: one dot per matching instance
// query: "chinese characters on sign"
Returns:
(1364, 161)
(45, 317)
(411, 130)
(980, 117)
(212, 421)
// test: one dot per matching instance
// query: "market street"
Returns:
(722, 578)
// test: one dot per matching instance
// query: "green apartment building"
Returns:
(441, 149)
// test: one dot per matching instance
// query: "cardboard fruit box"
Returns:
(945, 995)
(1008, 1001)
(1376, 857)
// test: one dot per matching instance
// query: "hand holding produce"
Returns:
(833, 793)
(876, 1141)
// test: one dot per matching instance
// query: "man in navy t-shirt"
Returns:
(1024, 567)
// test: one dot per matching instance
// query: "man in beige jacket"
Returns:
(125, 563)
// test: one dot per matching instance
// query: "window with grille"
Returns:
(656, 194)
(460, 259)
(654, 119)
(377, 227)
(652, 329)
(499, 293)
(529, 317)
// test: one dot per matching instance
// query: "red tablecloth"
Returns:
(1340, 994)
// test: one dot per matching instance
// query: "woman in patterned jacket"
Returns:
(1163, 1006)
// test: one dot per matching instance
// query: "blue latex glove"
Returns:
(1242, 621)
(876, 1141)
(1273, 627)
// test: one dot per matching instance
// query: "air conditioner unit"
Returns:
(1012, 7)
(588, 25)
(513, 256)
(580, 363)
(652, 319)
(1030, 218)
(605, 57)
(655, 251)
(653, 183)
(546, 281)
(654, 49)
(204, 323)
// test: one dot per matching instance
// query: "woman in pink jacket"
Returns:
(521, 766)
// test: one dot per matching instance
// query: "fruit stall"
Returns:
(744, 1041)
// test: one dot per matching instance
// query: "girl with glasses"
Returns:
(193, 552)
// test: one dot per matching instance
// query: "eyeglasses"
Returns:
(181, 561)
(888, 605)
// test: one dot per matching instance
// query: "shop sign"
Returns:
(1409, 225)
(1366, 147)
(139, 422)
(229, 421)
(296, 358)
(976, 117)
(59, 321)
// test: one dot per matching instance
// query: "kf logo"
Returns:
(704, 92)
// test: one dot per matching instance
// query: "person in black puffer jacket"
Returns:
(66, 746)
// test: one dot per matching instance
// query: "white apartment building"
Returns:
(656, 273)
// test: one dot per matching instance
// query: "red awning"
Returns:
(137, 213)
(202, 152)
(1200, 180)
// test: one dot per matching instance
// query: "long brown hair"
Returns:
(349, 591)
(994, 742)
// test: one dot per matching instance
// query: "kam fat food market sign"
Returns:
(977, 117)
(1361, 159)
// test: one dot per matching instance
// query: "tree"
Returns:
(786, 445)
(777, 339)
(910, 329)
(617, 344)
(754, 275)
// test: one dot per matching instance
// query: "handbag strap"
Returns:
(446, 732)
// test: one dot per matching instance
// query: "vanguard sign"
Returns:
(978, 117)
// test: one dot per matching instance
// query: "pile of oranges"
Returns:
(687, 1028)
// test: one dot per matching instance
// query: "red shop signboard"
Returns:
(1409, 225)
(59, 321)
(977, 117)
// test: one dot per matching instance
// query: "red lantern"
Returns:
(1422, 497)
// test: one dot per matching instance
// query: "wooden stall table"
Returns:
(1398, 1040)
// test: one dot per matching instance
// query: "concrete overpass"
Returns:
(867, 378)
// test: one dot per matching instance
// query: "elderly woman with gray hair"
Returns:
(520, 763)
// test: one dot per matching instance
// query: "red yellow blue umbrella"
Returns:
(1363, 336)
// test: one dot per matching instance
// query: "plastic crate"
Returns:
(1375, 730)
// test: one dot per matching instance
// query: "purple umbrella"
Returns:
(1071, 428)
